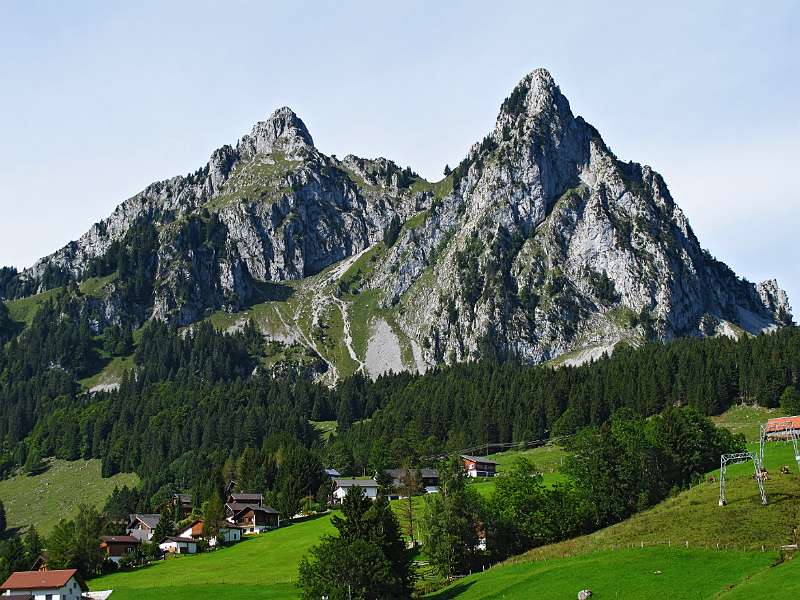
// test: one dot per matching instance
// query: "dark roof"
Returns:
(175, 538)
(119, 539)
(479, 459)
(41, 580)
(424, 473)
(222, 525)
(183, 498)
(149, 519)
(364, 483)
(237, 508)
(246, 497)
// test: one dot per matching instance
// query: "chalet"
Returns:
(183, 502)
(477, 466)
(228, 532)
(342, 486)
(116, 547)
(246, 498)
(428, 479)
(64, 584)
(252, 518)
(178, 545)
(142, 525)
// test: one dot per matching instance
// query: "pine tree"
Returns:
(213, 517)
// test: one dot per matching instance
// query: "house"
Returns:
(331, 473)
(178, 545)
(252, 518)
(246, 498)
(63, 584)
(228, 532)
(476, 466)
(142, 525)
(116, 547)
(342, 486)
(184, 502)
(428, 480)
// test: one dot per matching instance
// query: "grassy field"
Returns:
(685, 547)
(777, 583)
(548, 458)
(694, 516)
(43, 499)
(263, 566)
(746, 419)
(632, 573)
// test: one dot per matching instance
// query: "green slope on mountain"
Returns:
(43, 499)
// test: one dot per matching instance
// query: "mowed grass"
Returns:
(746, 419)
(777, 583)
(547, 459)
(42, 500)
(263, 566)
(673, 573)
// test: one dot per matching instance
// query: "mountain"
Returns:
(540, 244)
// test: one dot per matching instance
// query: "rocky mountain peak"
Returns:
(535, 98)
(283, 131)
(776, 300)
(539, 243)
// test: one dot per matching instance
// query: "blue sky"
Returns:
(98, 99)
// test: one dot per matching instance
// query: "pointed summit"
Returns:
(283, 131)
(536, 94)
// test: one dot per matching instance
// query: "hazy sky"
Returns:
(99, 99)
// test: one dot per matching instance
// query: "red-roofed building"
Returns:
(782, 428)
(63, 584)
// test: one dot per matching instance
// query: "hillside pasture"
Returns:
(635, 573)
(43, 499)
(262, 566)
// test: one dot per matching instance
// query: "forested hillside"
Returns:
(197, 399)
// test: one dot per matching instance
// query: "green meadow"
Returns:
(43, 499)
(263, 566)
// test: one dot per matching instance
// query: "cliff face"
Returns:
(540, 244)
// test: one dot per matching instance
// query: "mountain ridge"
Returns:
(541, 243)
